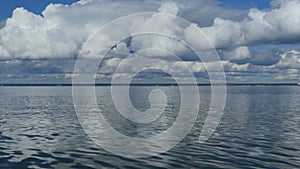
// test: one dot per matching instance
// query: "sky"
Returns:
(37, 7)
(256, 40)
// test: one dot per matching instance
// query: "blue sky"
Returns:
(246, 4)
(37, 7)
(252, 48)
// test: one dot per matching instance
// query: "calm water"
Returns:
(260, 128)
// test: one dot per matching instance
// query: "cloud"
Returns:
(290, 74)
(203, 12)
(61, 31)
(132, 65)
(52, 66)
(266, 57)
(269, 56)
(288, 60)
(277, 26)
(238, 54)
(27, 35)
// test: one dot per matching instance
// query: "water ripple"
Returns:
(260, 129)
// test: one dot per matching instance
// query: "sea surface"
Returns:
(260, 128)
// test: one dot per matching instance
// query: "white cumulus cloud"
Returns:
(61, 31)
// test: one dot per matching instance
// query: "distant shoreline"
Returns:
(156, 84)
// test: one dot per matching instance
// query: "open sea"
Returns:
(260, 128)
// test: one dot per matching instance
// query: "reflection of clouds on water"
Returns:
(260, 128)
(137, 139)
(262, 121)
(30, 126)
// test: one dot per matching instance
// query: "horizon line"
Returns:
(153, 84)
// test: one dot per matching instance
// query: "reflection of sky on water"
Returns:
(260, 128)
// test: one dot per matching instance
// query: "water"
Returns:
(260, 128)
